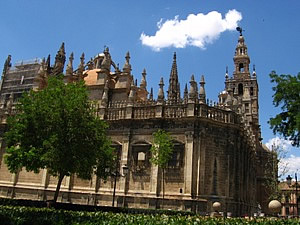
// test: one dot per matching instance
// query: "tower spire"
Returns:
(193, 89)
(241, 59)
(185, 93)
(127, 66)
(143, 84)
(7, 65)
(202, 95)
(80, 69)
(48, 67)
(69, 70)
(161, 96)
(242, 88)
(151, 94)
(40, 81)
(60, 60)
(174, 87)
(226, 73)
(254, 71)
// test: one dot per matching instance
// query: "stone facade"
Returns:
(290, 199)
(218, 155)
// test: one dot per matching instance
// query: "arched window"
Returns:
(241, 89)
(177, 157)
(140, 155)
(241, 67)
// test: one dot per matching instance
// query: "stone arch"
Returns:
(141, 142)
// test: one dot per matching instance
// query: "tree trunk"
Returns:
(60, 178)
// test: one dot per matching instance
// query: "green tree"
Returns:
(57, 129)
(287, 96)
(276, 169)
(161, 152)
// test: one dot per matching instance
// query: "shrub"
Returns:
(45, 216)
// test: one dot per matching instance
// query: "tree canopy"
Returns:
(56, 128)
(287, 97)
(162, 148)
(161, 152)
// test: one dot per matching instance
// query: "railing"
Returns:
(175, 111)
(145, 112)
(115, 113)
(28, 62)
(217, 114)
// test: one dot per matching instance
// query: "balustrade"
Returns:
(145, 110)
(175, 111)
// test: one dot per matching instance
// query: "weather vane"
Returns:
(239, 29)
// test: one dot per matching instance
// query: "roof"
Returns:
(91, 78)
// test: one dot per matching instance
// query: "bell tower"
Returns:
(244, 86)
(241, 59)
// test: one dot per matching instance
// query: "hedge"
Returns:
(89, 208)
(21, 215)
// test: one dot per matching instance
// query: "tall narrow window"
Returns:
(251, 91)
(215, 175)
(241, 89)
(247, 110)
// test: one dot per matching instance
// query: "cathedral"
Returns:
(217, 157)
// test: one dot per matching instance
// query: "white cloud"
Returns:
(287, 164)
(293, 165)
(281, 143)
(196, 30)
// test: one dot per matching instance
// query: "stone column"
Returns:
(201, 172)
(45, 178)
(188, 166)
(283, 211)
(128, 114)
(154, 180)
(190, 109)
(158, 111)
(198, 155)
(125, 160)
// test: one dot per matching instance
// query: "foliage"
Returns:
(46, 216)
(277, 168)
(161, 152)
(162, 148)
(287, 96)
(271, 177)
(56, 128)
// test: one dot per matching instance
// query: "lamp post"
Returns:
(125, 172)
(117, 174)
(296, 194)
(289, 182)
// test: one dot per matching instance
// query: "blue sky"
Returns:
(35, 28)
